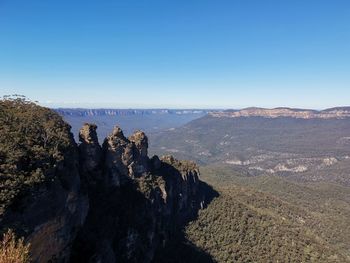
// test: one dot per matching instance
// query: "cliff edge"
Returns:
(89, 202)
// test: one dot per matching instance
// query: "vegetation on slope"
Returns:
(271, 219)
(33, 141)
(239, 227)
(307, 149)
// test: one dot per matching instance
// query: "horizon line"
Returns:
(194, 108)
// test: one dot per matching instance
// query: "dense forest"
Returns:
(271, 219)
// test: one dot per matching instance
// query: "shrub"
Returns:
(13, 250)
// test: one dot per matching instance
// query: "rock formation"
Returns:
(98, 204)
(90, 154)
(141, 204)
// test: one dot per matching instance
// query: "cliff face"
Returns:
(40, 186)
(51, 214)
(92, 203)
(138, 203)
(125, 112)
(333, 113)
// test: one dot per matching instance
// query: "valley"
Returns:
(307, 221)
(174, 131)
(303, 149)
(267, 189)
(284, 186)
(148, 120)
(283, 182)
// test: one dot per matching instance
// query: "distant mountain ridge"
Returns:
(337, 113)
(304, 148)
(80, 112)
(148, 120)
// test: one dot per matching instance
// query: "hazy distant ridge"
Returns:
(338, 113)
(123, 112)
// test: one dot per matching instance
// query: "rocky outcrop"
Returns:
(90, 154)
(142, 204)
(141, 142)
(125, 158)
(86, 202)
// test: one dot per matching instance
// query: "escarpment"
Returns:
(333, 113)
(40, 184)
(90, 202)
(140, 202)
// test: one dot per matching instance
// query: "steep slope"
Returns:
(251, 226)
(40, 186)
(112, 203)
(89, 203)
(270, 219)
(137, 204)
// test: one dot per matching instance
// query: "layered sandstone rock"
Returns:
(335, 113)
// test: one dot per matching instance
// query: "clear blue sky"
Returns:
(177, 53)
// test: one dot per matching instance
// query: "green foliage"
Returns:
(183, 165)
(245, 226)
(272, 219)
(33, 140)
(149, 183)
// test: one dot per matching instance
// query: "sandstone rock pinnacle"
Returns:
(141, 142)
(89, 148)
